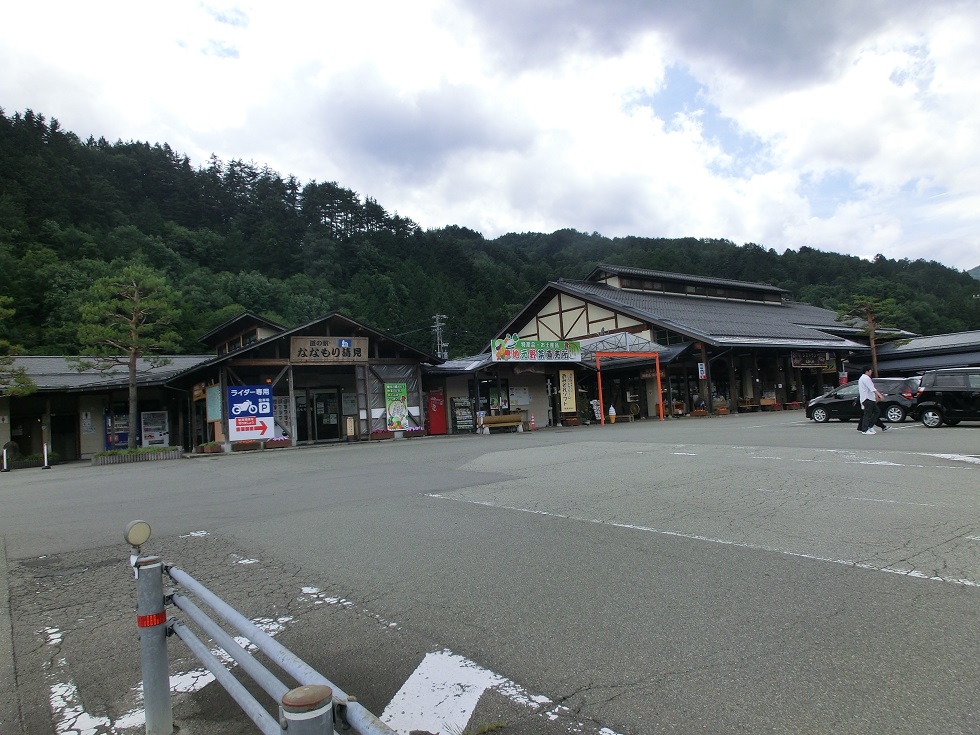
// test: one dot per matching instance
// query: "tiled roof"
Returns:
(700, 280)
(725, 321)
(940, 342)
(52, 373)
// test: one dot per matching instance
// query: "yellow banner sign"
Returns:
(566, 389)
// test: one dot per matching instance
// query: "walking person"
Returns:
(869, 397)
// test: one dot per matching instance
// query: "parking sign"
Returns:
(250, 412)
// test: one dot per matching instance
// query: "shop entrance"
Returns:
(318, 415)
(321, 422)
(326, 415)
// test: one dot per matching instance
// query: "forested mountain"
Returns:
(233, 235)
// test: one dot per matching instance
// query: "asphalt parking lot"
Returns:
(752, 573)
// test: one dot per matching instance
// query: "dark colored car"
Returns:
(843, 404)
(948, 396)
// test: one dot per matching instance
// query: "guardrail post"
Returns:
(151, 619)
(307, 710)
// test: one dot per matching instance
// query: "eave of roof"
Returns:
(55, 374)
(933, 344)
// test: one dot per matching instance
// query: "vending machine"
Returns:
(156, 428)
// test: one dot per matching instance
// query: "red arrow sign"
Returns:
(251, 424)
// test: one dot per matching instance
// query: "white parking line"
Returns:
(968, 458)
(727, 542)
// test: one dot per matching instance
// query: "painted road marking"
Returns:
(440, 695)
(726, 542)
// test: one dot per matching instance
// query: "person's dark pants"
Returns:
(871, 416)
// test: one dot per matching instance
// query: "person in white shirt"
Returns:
(869, 397)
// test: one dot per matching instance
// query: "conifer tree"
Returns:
(125, 318)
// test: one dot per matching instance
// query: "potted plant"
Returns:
(278, 442)
(210, 448)
(248, 445)
(379, 434)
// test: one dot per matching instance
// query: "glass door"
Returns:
(326, 415)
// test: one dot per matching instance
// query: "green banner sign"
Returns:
(514, 349)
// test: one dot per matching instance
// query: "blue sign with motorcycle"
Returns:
(250, 412)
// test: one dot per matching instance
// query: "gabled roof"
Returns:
(235, 326)
(56, 373)
(721, 322)
(339, 325)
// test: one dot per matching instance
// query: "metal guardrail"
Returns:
(312, 708)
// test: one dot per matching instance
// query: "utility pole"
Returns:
(442, 349)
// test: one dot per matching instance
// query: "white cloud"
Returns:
(843, 126)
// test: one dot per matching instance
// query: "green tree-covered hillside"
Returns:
(233, 235)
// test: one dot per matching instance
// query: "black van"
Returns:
(948, 396)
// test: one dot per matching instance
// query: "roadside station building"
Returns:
(722, 345)
(328, 380)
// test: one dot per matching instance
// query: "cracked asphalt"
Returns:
(754, 574)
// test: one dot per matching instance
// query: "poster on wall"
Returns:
(520, 396)
(396, 405)
(566, 390)
(213, 396)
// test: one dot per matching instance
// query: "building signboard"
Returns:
(328, 350)
(812, 359)
(515, 349)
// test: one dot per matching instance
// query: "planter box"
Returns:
(246, 446)
(721, 412)
(138, 457)
(210, 449)
(380, 435)
(24, 464)
(699, 412)
(278, 443)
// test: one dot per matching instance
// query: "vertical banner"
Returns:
(396, 405)
(566, 388)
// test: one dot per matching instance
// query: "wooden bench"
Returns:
(747, 404)
(512, 421)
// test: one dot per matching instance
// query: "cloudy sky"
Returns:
(846, 125)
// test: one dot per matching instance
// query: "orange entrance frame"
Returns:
(598, 367)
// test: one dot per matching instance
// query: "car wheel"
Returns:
(932, 417)
(820, 415)
(895, 414)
